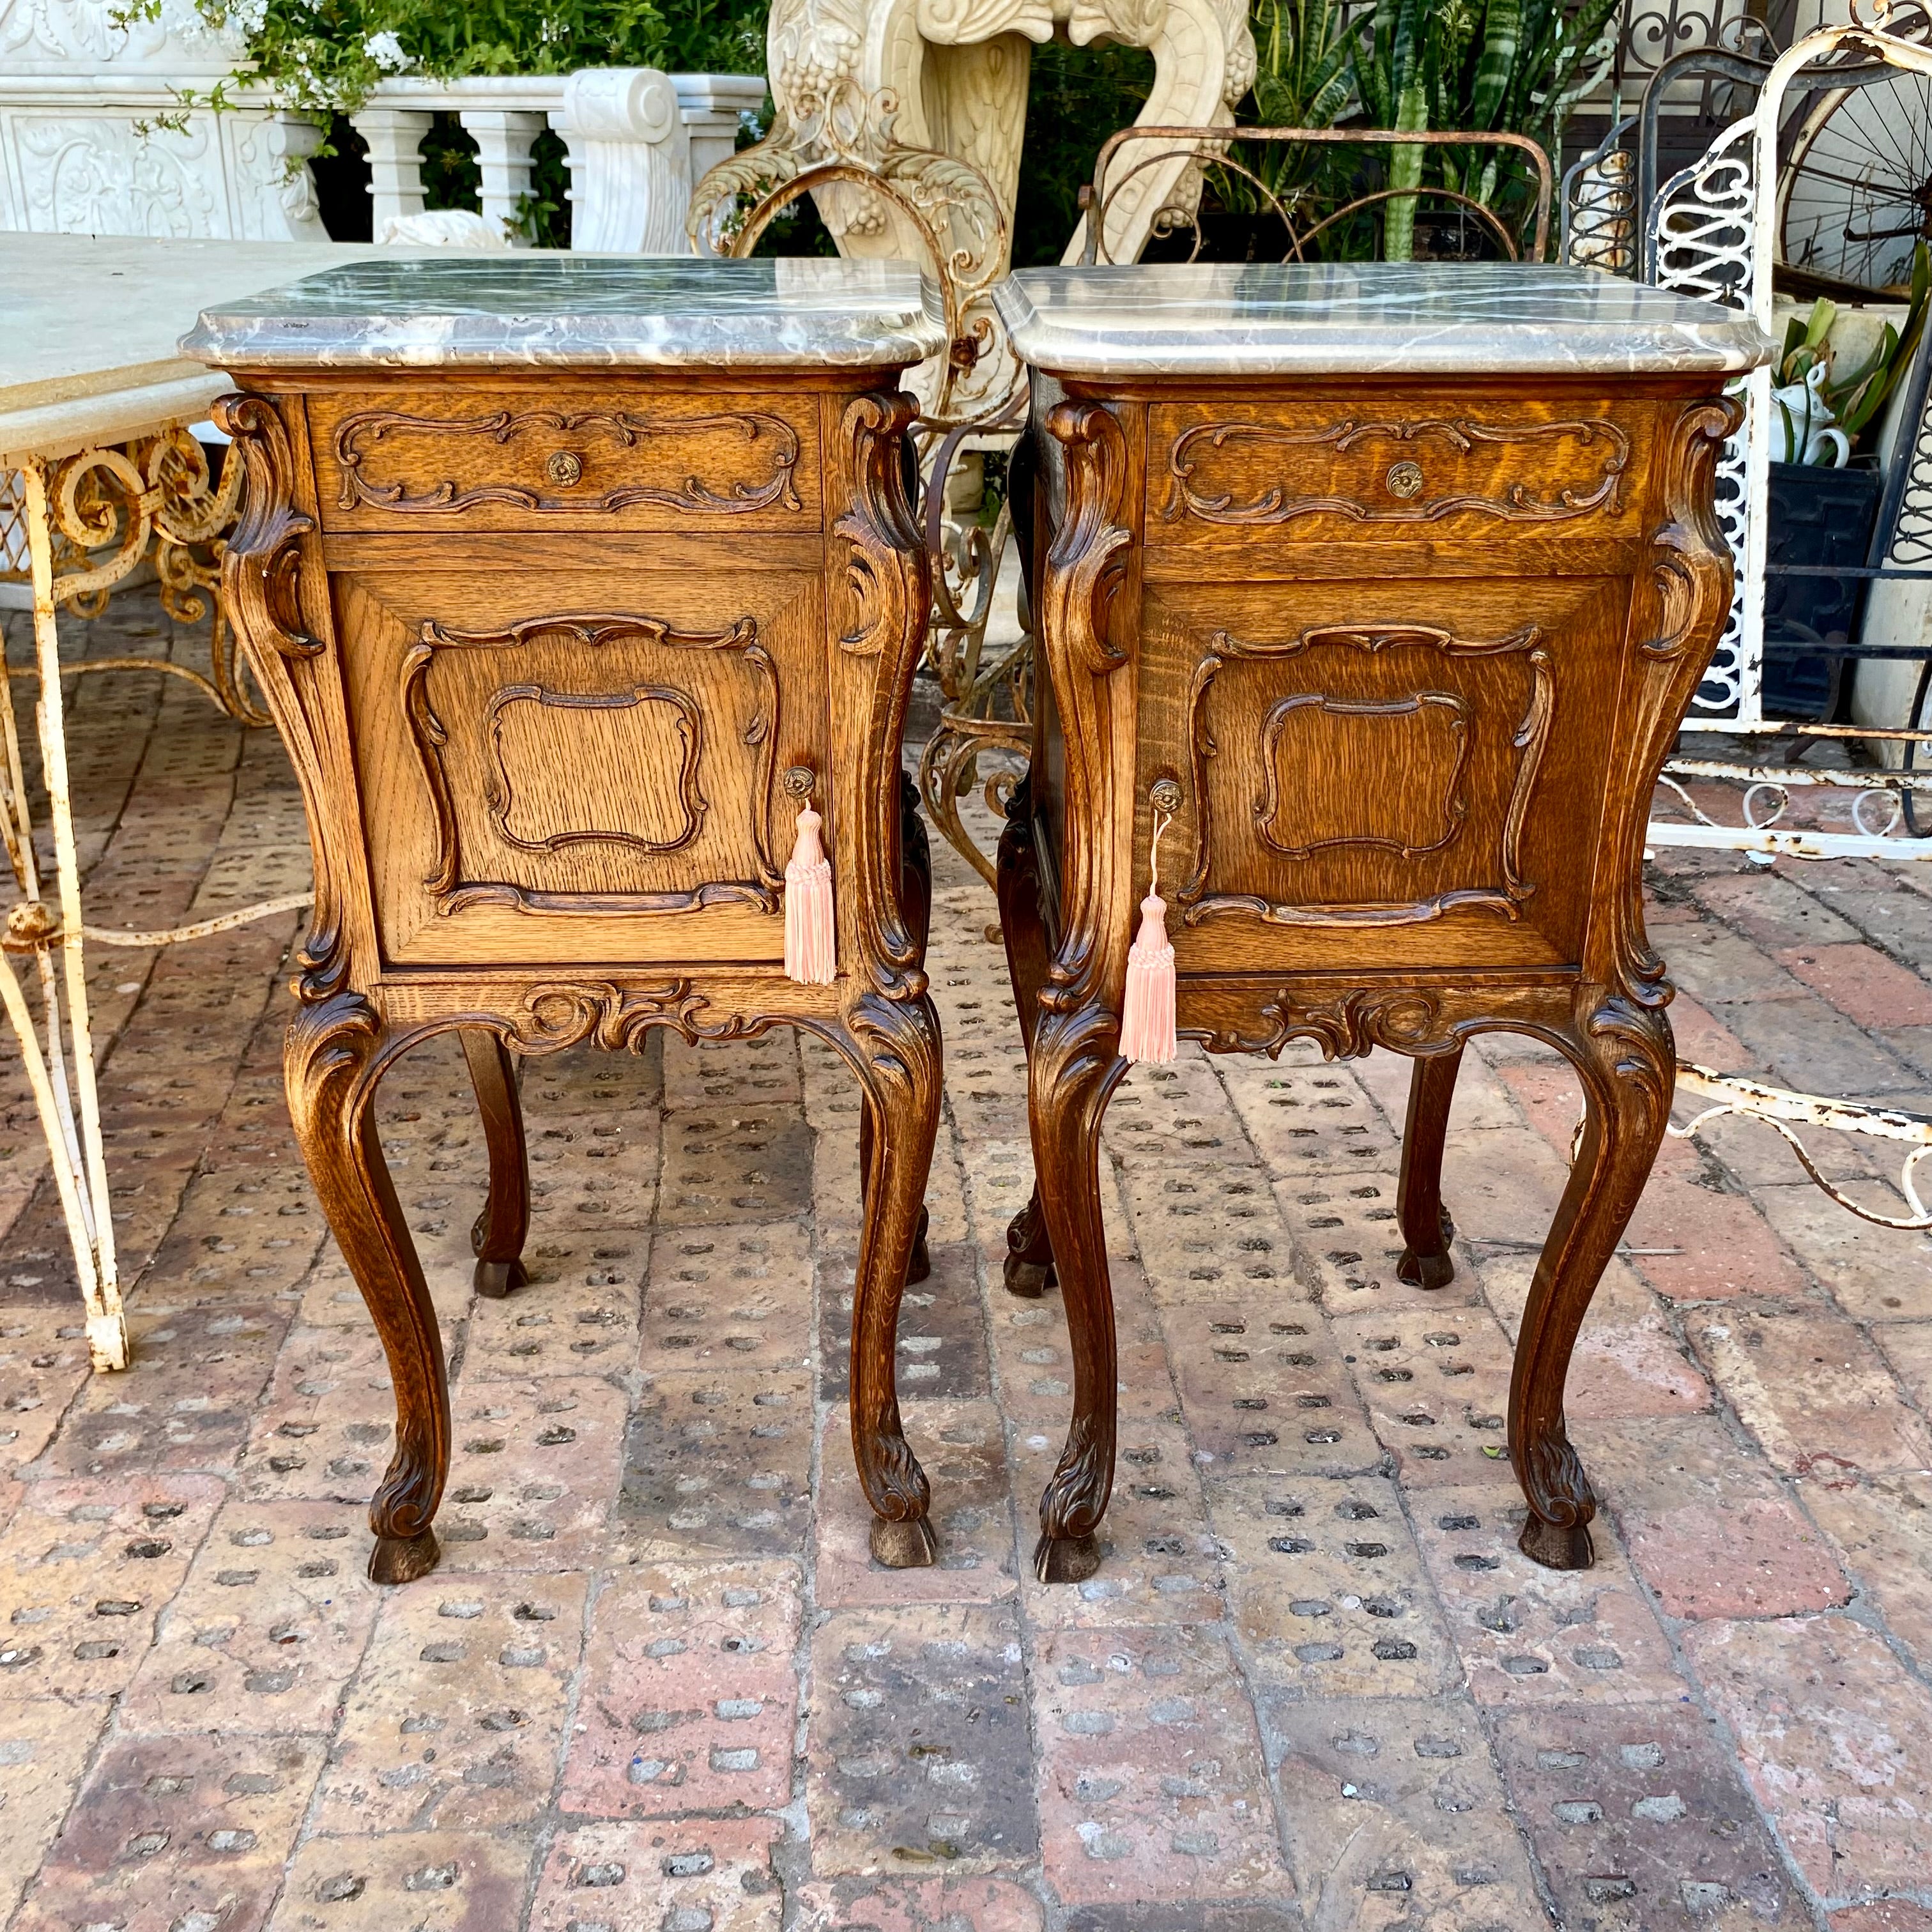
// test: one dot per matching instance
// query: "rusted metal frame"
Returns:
(1094, 197)
(1783, 1112)
(72, 508)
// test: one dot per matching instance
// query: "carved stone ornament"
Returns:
(901, 89)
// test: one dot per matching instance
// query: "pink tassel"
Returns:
(1147, 1014)
(811, 950)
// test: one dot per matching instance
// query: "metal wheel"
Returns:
(1855, 193)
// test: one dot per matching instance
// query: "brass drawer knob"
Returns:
(1404, 479)
(565, 467)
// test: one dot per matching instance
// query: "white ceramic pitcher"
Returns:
(1801, 427)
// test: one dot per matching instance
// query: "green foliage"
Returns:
(1856, 396)
(1472, 66)
(1078, 97)
(323, 57)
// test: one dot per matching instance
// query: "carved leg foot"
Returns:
(1029, 1271)
(1066, 1559)
(1624, 1055)
(1426, 1227)
(895, 1046)
(908, 1544)
(334, 1057)
(1557, 1547)
(498, 1236)
(398, 1559)
(1073, 1073)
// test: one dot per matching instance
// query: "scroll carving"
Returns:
(1691, 579)
(880, 596)
(1345, 1025)
(261, 581)
(1529, 741)
(361, 437)
(560, 1013)
(429, 734)
(1193, 451)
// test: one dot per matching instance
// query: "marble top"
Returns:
(514, 310)
(1368, 318)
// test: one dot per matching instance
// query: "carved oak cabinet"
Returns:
(571, 583)
(1385, 589)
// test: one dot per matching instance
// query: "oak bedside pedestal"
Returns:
(1384, 589)
(580, 590)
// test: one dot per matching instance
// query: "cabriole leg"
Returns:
(1073, 1071)
(1029, 1263)
(1426, 1228)
(1628, 1064)
(896, 1045)
(498, 1236)
(331, 1063)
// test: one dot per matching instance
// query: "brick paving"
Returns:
(657, 1683)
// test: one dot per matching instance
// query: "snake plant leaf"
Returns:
(1501, 24)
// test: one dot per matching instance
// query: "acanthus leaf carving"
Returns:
(1345, 1025)
(1086, 568)
(886, 589)
(563, 1013)
(261, 581)
(1691, 579)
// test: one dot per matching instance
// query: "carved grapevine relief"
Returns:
(1426, 733)
(1431, 485)
(769, 443)
(645, 738)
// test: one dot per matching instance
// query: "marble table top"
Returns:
(90, 350)
(645, 312)
(1369, 318)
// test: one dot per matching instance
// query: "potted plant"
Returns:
(1824, 490)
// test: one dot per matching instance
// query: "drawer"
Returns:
(611, 459)
(1409, 774)
(1368, 467)
(580, 767)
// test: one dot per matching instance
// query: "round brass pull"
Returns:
(1404, 479)
(565, 467)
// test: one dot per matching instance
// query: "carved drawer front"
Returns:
(614, 459)
(1371, 466)
(587, 767)
(1414, 770)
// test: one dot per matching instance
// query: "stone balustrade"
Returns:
(81, 150)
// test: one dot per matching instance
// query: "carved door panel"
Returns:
(1409, 774)
(587, 767)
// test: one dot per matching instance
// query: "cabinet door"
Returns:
(581, 765)
(1401, 774)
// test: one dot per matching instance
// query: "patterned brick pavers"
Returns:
(658, 1685)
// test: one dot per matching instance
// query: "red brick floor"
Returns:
(657, 1684)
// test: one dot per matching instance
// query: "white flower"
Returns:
(386, 51)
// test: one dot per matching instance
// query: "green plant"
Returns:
(1476, 66)
(1077, 96)
(1855, 397)
(322, 57)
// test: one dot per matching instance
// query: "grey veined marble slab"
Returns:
(604, 311)
(1200, 319)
